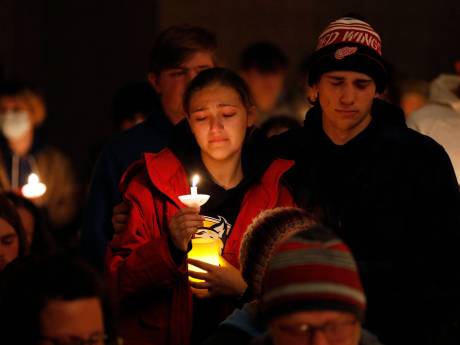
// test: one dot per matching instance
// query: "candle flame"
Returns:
(33, 179)
(195, 180)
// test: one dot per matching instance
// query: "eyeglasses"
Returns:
(96, 339)
(334, 332)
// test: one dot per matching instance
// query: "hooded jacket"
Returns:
(392, 196)
(139, 262)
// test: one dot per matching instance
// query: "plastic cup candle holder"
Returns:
(206, 250)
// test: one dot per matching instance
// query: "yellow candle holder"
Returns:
(206, 250)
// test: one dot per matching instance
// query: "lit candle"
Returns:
(34, 188)
(194, 199)
(194, 188)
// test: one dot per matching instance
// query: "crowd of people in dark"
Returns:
(224, 212)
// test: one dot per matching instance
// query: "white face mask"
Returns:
(15, 124)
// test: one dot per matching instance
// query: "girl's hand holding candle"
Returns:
(223, 280)
(206, 250)
(183, 225)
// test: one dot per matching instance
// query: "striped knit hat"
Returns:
(349, 44)
(312, 270)
(261, 238)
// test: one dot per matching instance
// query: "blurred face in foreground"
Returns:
(78, 321)
(315, 328)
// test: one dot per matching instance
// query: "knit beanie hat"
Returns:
(261, 238)
(349, 44)
(309, 271)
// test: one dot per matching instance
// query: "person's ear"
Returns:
(252, 115)
(154, 80)
(312, 94)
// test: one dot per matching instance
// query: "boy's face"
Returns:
(346, 99)
(172, 82)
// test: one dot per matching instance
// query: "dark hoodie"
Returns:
(391, 194)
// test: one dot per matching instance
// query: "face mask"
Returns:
(15, 124)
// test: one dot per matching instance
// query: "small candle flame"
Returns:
(195, 180)
(32, 179)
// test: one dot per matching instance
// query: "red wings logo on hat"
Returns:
(344, 52)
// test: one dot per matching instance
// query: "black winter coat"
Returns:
(392, 195)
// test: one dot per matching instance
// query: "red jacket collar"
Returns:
(168, 175)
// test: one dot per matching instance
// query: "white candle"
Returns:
(194, 199)
(194, 188)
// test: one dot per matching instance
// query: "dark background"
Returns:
(80, 52)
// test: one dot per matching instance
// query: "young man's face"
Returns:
(171, 83)
(346, 99)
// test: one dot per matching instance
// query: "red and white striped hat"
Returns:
(350, 30)
(349, 44)
(312, 270)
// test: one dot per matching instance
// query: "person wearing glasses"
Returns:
(312, 293)
(320, 248)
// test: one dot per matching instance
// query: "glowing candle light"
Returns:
(194, 199)
(34, 188)
(206, 250)
(194, 188)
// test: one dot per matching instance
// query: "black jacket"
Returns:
(392, 195)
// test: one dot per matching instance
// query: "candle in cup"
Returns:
(206, 250)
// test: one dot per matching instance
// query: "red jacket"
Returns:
(153, 290)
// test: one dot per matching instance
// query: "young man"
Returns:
(178, 55)
(389, 192)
